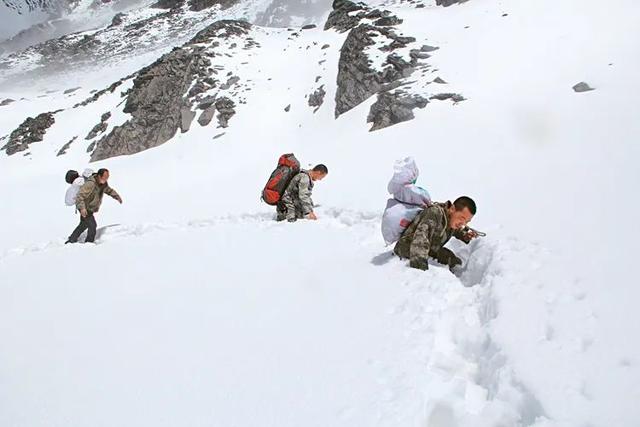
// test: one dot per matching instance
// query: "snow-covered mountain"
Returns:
(197, 308)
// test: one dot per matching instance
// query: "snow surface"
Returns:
(196, 308)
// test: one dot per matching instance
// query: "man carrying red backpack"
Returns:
(296, 203)
(289, 189)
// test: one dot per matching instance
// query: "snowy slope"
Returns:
(181, 315)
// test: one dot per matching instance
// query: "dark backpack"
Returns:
(71, 176)
(288, 167)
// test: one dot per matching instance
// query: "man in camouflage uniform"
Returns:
(431, 230)
(296, 202)
(88, 202)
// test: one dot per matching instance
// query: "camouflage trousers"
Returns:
(288, 211)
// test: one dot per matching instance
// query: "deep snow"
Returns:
(181, 315)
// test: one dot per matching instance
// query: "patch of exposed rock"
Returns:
(65, 147)
(30, 131)
(394, 108)
(198, 5)
(357, 80)
(447, 3)
(98, 94)
(100, 127)
(582, 87)
(157, 101)
(316, 99)
(455, 97)
(226, 110)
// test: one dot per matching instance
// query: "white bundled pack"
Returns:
(407, 202)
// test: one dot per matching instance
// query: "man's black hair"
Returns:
(465, 202)
(102, 171)
(321, 168)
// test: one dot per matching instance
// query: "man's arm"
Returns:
(419, 250)
(83, 193)
(304, 194)
(467, 234)
(113, 193)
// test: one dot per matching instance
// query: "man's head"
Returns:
(318, 172)
(461, 212)
(102, 176)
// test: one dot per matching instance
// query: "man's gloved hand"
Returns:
(419, 263)
(446, 257)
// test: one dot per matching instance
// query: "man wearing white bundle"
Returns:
(422, 227)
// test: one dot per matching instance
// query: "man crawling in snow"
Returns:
(431, 230)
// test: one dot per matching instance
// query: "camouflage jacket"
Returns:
(426, 235)
(297, 196)
(90, 195)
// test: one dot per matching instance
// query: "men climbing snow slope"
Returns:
(431, 230)
(296, 202)
(88, 203)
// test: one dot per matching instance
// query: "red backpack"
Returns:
(288, 167)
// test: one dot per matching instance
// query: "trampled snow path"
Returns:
(185, 322)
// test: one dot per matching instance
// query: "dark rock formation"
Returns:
(207, 115)
(65, 147)
(198, 5)
(68, 91)
(388, 21)
(186, 117)
(168, 4)
(316, 99)
(100, 127)
(455, 97)
(99, 93)
(447, 3)
(226, 110)
(582, 87)
(308, 27)
(357, 81)
(6, 102)
(287, 108)
(117, 19)
(157, 103)
(30, 131)
(340, 17)
(394, 108)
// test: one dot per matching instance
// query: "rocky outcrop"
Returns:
(357, 80)
(582, 87)
(100, 127)
(168, 4)
(455, 97)
(118, 19)
(66, 147)
(198, 5)
(316, 99)
(7, 101)
(226, 110)
(207, 115)
(157, 102)
(447, 3)
(342, 18)
(394, 108)
(98, 94)
(374, 61)
(30, 131)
